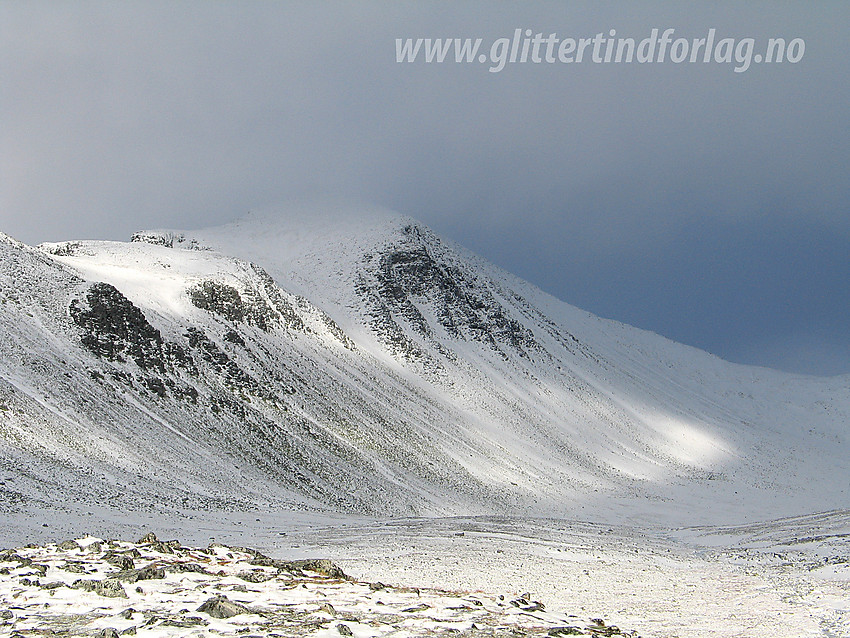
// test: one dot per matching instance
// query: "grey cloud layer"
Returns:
(120, 116)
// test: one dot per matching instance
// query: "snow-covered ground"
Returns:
(160, 589)
(645, 579)
(780, 579)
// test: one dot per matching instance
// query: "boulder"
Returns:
(109, 588)
(148, 572)
(221, 607)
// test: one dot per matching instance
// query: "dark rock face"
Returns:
(63, 249)
(115, 329)
(231, 336)
(261, 305)
(224, 300)
(413, 272)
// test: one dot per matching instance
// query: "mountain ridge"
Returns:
(373, 367)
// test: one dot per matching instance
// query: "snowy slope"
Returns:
(352, 360)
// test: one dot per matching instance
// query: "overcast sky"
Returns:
(708, 205)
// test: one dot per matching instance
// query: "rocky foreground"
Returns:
(91, 587)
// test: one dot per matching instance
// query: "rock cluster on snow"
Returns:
(106, 589)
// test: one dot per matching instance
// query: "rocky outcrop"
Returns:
(115, 329)
(281, 598)
(413, 272)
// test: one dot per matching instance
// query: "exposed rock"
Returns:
(245, 550)
(153, 543)
(413, 269)
(114, 328)
(110, 588)
(74, 568)
(231, 336)
(121, 560)
(233, 375)
(40, 569)
(320, 566)
(164, 547)
(257, 576)
(526, 604)
(251, 306)
(147, 572)
(182, 568)
(158, 238)
(416, 608)
(60, 249)
(220, 298)
(13, 557)
(221, 607)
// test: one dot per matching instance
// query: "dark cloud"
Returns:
(669, 196)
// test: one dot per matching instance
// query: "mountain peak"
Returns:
(307, 231)
(324, 215)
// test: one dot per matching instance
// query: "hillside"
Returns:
(352, 361)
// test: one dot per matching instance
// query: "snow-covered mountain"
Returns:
(324, 358)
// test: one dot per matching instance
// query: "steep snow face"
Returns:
(323, 357)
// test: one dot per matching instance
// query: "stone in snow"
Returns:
(221, 607)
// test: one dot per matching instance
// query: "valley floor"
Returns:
(788, 578)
